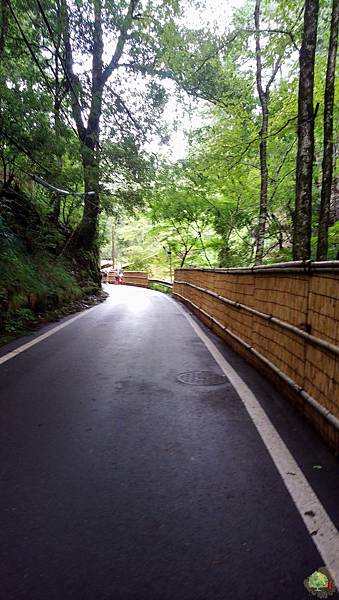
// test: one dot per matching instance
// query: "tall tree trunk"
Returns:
(327, 166)
(89, 135)
(3, 25)
(263, 187)
(56, 198)
(85, 237)
(303, 201)
(86, 234)
(90, 150)
(3, 36)
(264, 93)
(263, 97)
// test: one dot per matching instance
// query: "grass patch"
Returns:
(31, 284)
(159, 287)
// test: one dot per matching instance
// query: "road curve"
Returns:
(119, 482)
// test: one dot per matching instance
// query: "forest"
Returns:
(84, 145)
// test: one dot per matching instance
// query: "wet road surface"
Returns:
(120, 482)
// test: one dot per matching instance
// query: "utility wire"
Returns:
(54, 189)
(38, 179)
(58, 190)
(19, 146)
(27, 43)
(51, 32)
(23, 35)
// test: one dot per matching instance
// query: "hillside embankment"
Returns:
(39, 280)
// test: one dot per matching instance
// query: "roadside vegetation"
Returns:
(83, 87)
(37, 281)
(260, 182)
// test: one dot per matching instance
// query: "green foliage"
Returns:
(158, 287)
(201, 211)
(218, 185)
(318, 581)
(32, 278)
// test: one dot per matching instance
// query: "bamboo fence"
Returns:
(284, 319)
(136, 278)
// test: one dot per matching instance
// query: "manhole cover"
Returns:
(202, 378)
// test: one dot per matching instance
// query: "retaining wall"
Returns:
(284, 319)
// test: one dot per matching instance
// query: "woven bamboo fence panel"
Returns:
(136, 278)
(322, 369)
(109, 279)
(258, 307)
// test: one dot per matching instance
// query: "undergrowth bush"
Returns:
(32, 280)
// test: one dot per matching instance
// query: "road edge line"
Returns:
(42, 337)
(318, 523)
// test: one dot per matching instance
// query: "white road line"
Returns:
(318, 523)
(42, 337)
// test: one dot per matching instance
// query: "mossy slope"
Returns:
(35, 275)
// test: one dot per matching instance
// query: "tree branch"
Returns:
(74, 79)
(3, 26)
(126, 109)
(120, 43)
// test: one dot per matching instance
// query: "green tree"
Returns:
(303, 200)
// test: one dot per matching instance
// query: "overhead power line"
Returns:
(38, 179)
(36, 62)
(23, 35)
(22, 149)
(32, 53)
(58, 190)
(51, 32)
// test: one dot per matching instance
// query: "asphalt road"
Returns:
(120, 482)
